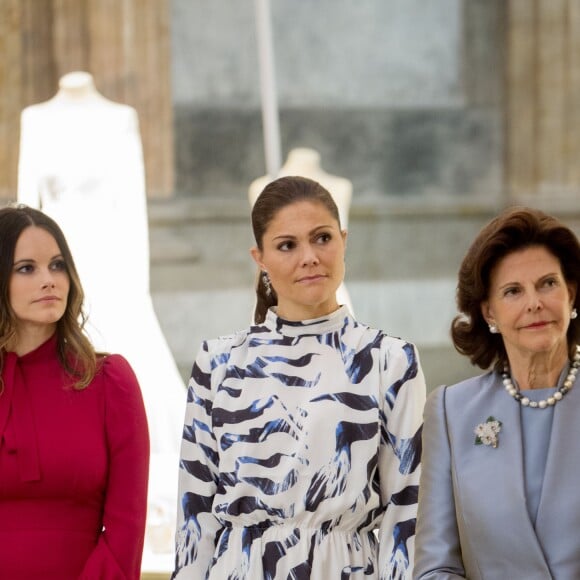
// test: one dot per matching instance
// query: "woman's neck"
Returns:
(296, 313)
(26, 341)
(540, 370)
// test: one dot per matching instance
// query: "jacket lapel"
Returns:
(490, 483)
(558, 518)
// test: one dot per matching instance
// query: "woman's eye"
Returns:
(286, 246)
(58, 266)
(511, 291)
(550, 282)
(25, 269)
(324, 238)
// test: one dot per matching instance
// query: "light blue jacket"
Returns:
(473, 520)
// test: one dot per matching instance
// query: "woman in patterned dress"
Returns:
(301, 444)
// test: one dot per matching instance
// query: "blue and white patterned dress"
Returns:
(301, 439)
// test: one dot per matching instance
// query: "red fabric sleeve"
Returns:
(118, 553)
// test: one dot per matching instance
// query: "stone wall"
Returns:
(402, 97)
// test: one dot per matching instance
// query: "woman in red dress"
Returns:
(74, 444)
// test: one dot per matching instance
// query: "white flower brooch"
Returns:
(487, 433)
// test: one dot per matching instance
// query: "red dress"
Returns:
(73, 471)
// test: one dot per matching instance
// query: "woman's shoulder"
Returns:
(395, 347)
(395, 353)
(115, 371)
(381, 336)
(113, 362)
(225, 342)
(395, 342)
(123, 404)
(466, 388)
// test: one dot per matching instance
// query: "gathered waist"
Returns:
(285, 528)
(279, 550)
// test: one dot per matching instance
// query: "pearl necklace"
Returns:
(550, 401)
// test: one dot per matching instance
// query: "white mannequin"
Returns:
(79, 151)
(81, 163)
(306, 162)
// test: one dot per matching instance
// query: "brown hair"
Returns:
(278, 194)
(76, 353)
(514, 229)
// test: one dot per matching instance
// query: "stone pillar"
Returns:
(543, 99)
(124, 45)
(23, 78)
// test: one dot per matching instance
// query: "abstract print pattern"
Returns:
(300, 454)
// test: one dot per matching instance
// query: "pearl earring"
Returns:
(573, 314)
(493, 329)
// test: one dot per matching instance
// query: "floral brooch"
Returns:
(487, 433)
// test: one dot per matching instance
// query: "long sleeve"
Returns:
(300, 439)
(118, 553)
(438, 550)
(197, 527)
(403, 391)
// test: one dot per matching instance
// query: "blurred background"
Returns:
(440, 113)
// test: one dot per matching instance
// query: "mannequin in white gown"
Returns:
(81, 163)
(306, 162)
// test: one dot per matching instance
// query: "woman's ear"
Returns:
(572, 289)
(486, 312)
(257, 257)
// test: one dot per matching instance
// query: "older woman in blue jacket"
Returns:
(499, 494)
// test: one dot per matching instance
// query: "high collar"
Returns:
(41, 352)
(328, 323)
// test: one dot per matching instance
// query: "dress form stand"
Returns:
(81, 162)
(306, 163)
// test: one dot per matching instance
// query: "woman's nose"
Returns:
(48, 282)
(535, 303)
(309, 257)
